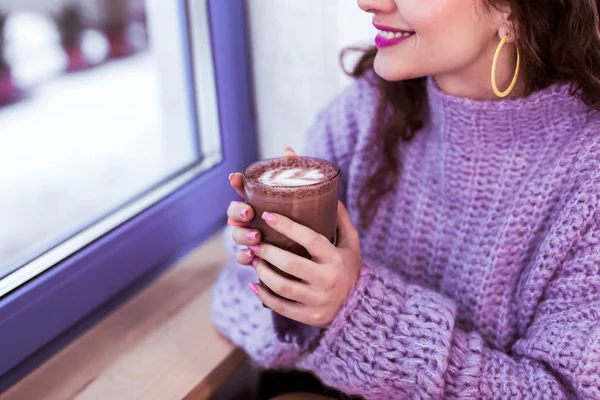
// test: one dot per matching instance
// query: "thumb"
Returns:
(237, 183)
(347, 233)
(289, 152)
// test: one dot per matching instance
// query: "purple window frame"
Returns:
(35, 316)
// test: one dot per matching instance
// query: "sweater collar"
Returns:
(462, 120)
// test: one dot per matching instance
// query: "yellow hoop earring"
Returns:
(495, 65)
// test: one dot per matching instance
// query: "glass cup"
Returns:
(313, 205)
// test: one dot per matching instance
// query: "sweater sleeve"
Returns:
(239, 315)
(321, 143)
(335, 133)
(399, 340)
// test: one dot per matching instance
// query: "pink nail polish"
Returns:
(270, 218)
(244, 213)
(254, 248)
(253, 287)
(255, 262)
(252, 236)
(248, 254)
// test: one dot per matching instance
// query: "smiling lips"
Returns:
(387, 36)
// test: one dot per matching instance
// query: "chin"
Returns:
(389, 69)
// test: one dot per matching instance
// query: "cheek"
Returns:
(447, 24)
(450, 36)
(427, 16)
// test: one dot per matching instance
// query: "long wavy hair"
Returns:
(559, 41)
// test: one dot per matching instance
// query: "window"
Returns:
(115, 170)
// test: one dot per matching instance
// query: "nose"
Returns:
(377, 6)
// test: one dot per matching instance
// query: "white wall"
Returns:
(295, 49)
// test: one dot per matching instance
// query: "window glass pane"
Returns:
(98, 117)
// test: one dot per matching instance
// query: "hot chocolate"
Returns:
(301, 188)
(292, 176)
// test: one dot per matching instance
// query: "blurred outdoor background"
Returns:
(86, 99)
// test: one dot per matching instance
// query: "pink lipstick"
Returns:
(388, 36)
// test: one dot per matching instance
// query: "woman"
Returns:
(470, 148)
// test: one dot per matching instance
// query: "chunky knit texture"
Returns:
(481, 275)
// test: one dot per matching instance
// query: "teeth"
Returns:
(394, 35)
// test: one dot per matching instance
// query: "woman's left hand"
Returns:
(325, 281)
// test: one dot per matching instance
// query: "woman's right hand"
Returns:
(241, 213)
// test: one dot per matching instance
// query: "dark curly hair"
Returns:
(559, 41)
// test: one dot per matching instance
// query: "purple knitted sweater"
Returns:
(481, 275)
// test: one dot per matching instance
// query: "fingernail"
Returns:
(252, 236)
(248, 254)
(230, 176)
(255, 262)
(254, 248)
(253, 287)
(270, 218)
(244, 213)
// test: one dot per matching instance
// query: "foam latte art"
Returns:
(292, 177)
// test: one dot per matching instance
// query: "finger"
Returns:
(245, 257)
(347, 233)
(318, 246)
(240, 212)
(283, 307)
(289, 152)
(236, 224)
(289, 263)
(284, 287)
(237, 183)
(245, 236)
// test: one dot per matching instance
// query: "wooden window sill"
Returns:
(159, 345)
